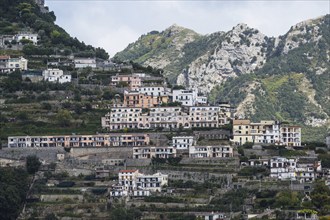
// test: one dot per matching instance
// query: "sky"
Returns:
(113, 24)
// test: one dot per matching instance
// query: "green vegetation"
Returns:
(19, 15)
(32, 164)
(124, 213)
(13, 188)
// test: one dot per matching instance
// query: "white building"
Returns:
(154, 90)
(16, 64)
(291, 135)
(153, 182)
(56, 75)
(27, 36)
(188, 97)
(133, 183)
(153, 152)
(327, 141)
(266, 132)
(303, 169)
(182, 142)
(120, 118)
(210, 151)
(164, 117)
(127, 179)
(307, 168)
(206, 116)
(118, 191)
(283, 168)
(84, 62)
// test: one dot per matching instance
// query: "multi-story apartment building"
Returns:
(210, 151)
(143, 100)
(127, 179)
(104, 140)
(132, 80)
(265, 132)
(133, 183)
(302, 169)
(283, 168)
(122, 117)
(163, 117)
(183, 142)
(241, 132)
(166, 117)
(148, 152)
(188, 97)
(154, 182)
(155, 90)
(291, 135)
(206, 116)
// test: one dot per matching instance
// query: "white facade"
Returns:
(156, 152)
(84, 62)
(154, 182)
(283, 168)
(291, 136)
(202, 100)
(27, 36)
(266, 132)
(118, 191)
(188, 97)
(133, 183)
(301, 169)
(56, 75)
(182, 142)
(185, 97)
(65, 79)
(164, 117)
(154, 90)
(206, 116)
(17, 64)
(210, 151)
(120, 118)
(127, 179)
(105, 140)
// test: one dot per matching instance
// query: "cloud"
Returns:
(114, 24)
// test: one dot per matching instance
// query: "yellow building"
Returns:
(242, 132)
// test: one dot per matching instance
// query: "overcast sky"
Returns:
(114, 24)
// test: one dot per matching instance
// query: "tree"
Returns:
(63, 118)
(13, 189)
(51, 216)
(287, 199)
(321, 197)
(32, 164)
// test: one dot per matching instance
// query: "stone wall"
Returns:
(46, 154)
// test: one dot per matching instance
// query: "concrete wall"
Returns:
(113, 152)
(54, 198)
(47, 154)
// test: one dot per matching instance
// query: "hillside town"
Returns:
(207, 131)
(155, 136)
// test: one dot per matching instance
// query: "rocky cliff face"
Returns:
(242, 51)
(285, 78)
(160, 49)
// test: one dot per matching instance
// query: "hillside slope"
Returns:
(27, 15)
(285, 78)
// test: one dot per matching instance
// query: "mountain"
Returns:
(160, 49)
(285, 78)
(32, 16)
